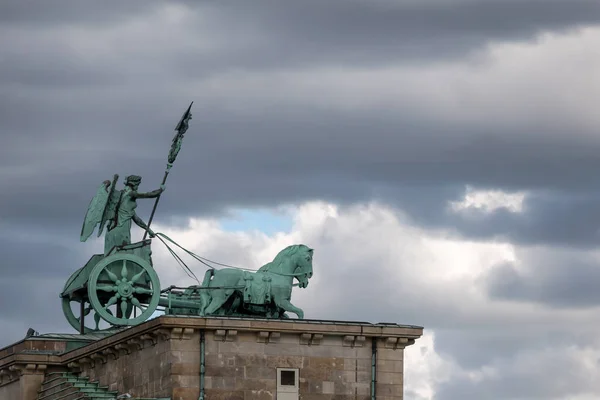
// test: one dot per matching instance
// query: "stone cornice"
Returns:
(182, 328)
(165, 328)
(13, 372)
(292, 326)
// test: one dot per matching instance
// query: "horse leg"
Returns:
(218, 299)
(288, 306)
(205, 300)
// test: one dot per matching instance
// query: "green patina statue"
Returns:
(115, 210)
(266, 292)
(122, 288)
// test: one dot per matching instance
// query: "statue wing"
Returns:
(94, 212)
(112, 204)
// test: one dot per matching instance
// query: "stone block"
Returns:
(390, 354)
(364, 364)
(236, 372)
(186, 345)
(315, 374)
(363, 377)
(185, 369)
(390, 366)
(222, 394)
(223, 382)
(258, 360)
(284, 362)
(341, 388)
(260, 373)
(326, 362)
(215, 360)
(259, 395)
(185, 393)
(186, 381)
(314, 387)
(363, 389)
(390, 390)
(242, 347)
(282, 349)
(343, 376)
(303, 386)
(328, 351)
(349, 364)
(256, 384)
(395, 378)
(328, 387)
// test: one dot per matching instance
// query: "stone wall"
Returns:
(139, 367)
(10, 390)
(161, 358)
(244, 366)
(21, 382)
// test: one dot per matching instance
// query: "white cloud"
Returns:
(423, 368)
(371, 265)
(489, 201)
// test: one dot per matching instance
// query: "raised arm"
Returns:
(148, 195)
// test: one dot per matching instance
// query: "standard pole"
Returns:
(156, 203)
(181, 128)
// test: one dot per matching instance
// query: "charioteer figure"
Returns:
(115, 210)
(119, 230)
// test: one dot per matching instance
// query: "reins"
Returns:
(162, 237)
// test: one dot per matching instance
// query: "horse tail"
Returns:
(205, 297)
(209, 274)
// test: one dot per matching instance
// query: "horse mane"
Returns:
(282, 256)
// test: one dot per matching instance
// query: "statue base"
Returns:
(178, 357)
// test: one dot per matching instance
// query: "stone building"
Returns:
(191, 358)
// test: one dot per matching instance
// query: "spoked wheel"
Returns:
(91, 319)
(71, 306)
(120, 284)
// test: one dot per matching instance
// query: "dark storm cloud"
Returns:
(87, 91)
(366, 32)
(39, 12)
(35, 266)
(23, 257)
(471, 350)
(71, 117)
(313, 155)
(531, 382)
(561, 281)
(553, 217)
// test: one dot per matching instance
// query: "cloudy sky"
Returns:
(440, 156)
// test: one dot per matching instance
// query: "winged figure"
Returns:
(115, 210)
(101, 209)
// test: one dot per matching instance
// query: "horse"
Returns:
(272, 282)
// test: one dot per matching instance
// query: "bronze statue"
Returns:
(117, 208)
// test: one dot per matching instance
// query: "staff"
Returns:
(181, 128)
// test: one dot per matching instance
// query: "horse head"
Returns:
(304, 268)
(294, 261)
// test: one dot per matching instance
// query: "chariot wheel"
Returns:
(73, 316)
(74, 320)
(123, 282)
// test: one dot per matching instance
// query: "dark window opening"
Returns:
(288, 378)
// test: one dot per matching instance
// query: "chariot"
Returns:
(122, 287)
